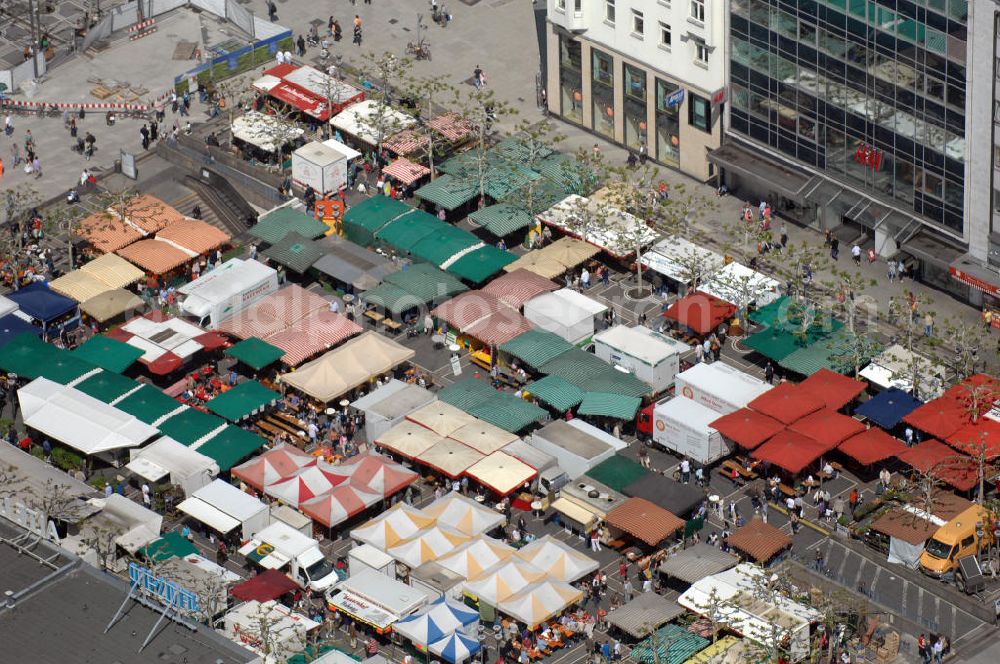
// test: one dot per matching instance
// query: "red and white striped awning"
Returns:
(975, 282)
(318, 332)
(405, 142)
(406, 171)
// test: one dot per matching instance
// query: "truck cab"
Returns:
(967, 534)
(281, 547)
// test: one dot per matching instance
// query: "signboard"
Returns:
(675, 98)
(718, 96)
(364, 611)
(128, 165)
(456, 365)
(167, 592)
(32, 520)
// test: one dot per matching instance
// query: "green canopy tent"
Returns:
(607, 404)
(670, 644)
(409, 229)
(363, 220)
(278, 223)
(508, 411)
(466, 394)
(230, 446)
(444, 244)
(392, 299)
(556, 392)
(448, 191)
(255, 353)
(171, 545)
(426, 282)
(148, 404)
(107, 353)
(295, 252)
(591, 373)
(781, 340)
(190, 425)
(247, 398)
(617, 472)
(502, 219)
(480, 264)
(536, 347)
(107, 386)
(28, 356)
(836, 353)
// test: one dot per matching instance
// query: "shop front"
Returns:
(571, 79)
(635, 107)
(602, 93)
(669, 97)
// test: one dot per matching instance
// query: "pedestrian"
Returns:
(922, 649)
(769, 372)
(585, 278)
(908, 436)
(15, 153)
(147, 499)
(8, 125)
(928, 324)
(937, 650)
(144, 132)
(642, 154)
(36, 167)
(477, 77)
(272, 13)
(852, 500)
(834, 248)
(987, 319)
(856, 255)
(595, 541)
(818, 560)
(357, 35)
(685, 471)
(605, 275)
(154, 131)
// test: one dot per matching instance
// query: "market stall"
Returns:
(644, 521)
(436, 621)
(536, 603)
(792, 452)
(263, 137)
(696, 562)
(352, 265)
(441, 418)
(339, 504)
(700, 314)
(376, 599)
(157, 257)
(888, 407)
(896, 367)
(111, 304)
(45, 309)
(268, 627)
(619, 233)
(718, 386)
(557, 559)
(787, 403)
(741, 286)
(370, 122)
(502, 581)
(307, 90)
(224, 508)
(398, 523)
(274, 313)
(647, 612)
(473, 558)
(107, 353)
(273, 465)
(268, 585)
(389, 405)
(571, 315)
(426, 546)
(759, 541)
(449, 457)
(323, 166)
(747, 428)
(169, 462)
(194, 235)
(578, 450)
(464, 514)
(682, 264)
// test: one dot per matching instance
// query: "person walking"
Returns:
(923, 650)
(937, 650)
(357, 35)
(856, 255)
(36, 166)
(595, 540)
(928, 324)
(477, 77)
(987, 319)
(769, 372)
(685, 471)
(144, 132)
(834, 248)
(272, 11)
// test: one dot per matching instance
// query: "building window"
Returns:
(638, 24)
(561, 5)
(669, 98)
(665, 36)
(698, 10)
(609, 11)
(578, 7)
(603, 67)
(635, 106)
(602, 93)
(635, 82)
(571, 79)
(996, 200)
(700, 53)
(699, 113)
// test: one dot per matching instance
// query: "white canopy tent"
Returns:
(223, 507)
(673, 257)
(265, 132)
(156, 338)
(894, 368)
(600, 224)
(364, 120)
(740, 285)
(166, 460)
(133, 525)
(564, 312)
(79, 420)
(387, 406)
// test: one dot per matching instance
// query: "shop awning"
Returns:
(888, 408)
(405, 171)
(276, 224)
(247, 398)
(190, 425)
(478, 265)
(556, 392)
(644, 521)
(575, 512)
(148, 404)
(106, 386)
(871, 446)
(363, 610)
(267, 585)
(786, 181)
(536, 347)
(747, 428)
(107, 353)
(786, 403)
(617, 472)
(230, 446)
(255, 353)
(700, 312)
(607, 404)
(791, 451)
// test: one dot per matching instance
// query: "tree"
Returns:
(388, 71)
(861, 347)
(63, 220)
(427, 91)
(102, 540)
(10, 482)
(480, 109)
(915, 368)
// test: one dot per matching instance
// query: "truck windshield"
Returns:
(319, 570)
(938, 549)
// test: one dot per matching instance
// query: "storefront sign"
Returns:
(975, 282)
(32, 520)
(718, 97)
(675, 98)
(161, 589)
(868, 156)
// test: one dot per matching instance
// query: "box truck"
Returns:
(684, 426)
(649, 356)
(719, 386)
(225, 291)
(281, 547)
(323, 166)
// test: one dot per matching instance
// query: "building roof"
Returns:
(644, 520)
(759, 540)
(671, 495)
(697, 562)
(64, 619)
(645, 613)
(194, 235)
(871, 446)
(155, 256)
(747, 428)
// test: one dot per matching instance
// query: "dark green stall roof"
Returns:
(171, 545)
(275, 225)
(189, 425)
(779, 341)
(230, 446)
(617, 472)
(243, 400)
(608, 404)
(255, 353)
(295, 252)
(448, 192)
(30, 357)
(536, 347)
(363, 220)
(107, 353)
(480, 264)
(443, 244)
(555, 391)
(834, 352)
(106, 386)
(508, 412)
(409, 229)
(391, 298)
(502, 219)
(467, 393)
(673, 644)
(148, 404)
(426, 282)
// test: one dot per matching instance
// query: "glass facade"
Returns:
(873, 93)
(635, 106)
(668, 126)
(571, 79)
(602, 93)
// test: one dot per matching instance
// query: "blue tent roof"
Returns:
(39, 302)
(11, 326)
(456, 647)
(888, 407)
(436, 622)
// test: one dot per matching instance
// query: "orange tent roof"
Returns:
(194, 235)
(154, 256)
(106, 232)
(150, 214)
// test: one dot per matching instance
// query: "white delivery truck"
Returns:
(226, 290)
(279, 546)
(719, 386)
(684, 426)
(323, 166)
(649, 356)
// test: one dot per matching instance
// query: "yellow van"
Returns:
(956, 539)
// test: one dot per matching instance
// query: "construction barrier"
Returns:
(98, 106)
(140, 35)
(139, 27)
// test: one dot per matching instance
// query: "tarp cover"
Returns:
(267, 585)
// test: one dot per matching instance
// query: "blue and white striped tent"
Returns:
(456, 648)
(437, 621)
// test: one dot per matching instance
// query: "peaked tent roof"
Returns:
(363, 220)
(255, 353)
(556, 392)
(536, 347)
(786, 403)
(106, 386)
(837, 390)
(441, 418)
(700, 312)
(828, 427)
(747, 428)
(295, 252)
(278, 223)
(888, 408)
(475, 556)
(557, 559)
(463, 514)
(107, 353)
(274, 464)
(230, 446)
(871, 446)
(791, 451)
(480, 264)
(247, 398)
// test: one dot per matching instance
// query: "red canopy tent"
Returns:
(308, 90)
(271, 466)
(700, 312)
(959, 472)
(983, 436)
(927, 454)
(269, 584)
(377, 474)
(941, 417)
(786, 403)
(790, 451)
(871, 446)
(747, 428)
(828, 427)
(835, 389)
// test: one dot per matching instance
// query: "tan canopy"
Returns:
(110, 303)
(113, 270)
(408, 439)
(347, 367)
(441, 418)
(78, 285)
